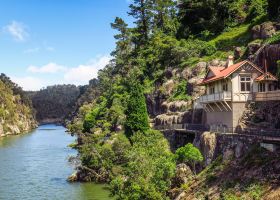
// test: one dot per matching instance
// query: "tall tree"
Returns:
(141, 11)
(136, 112)
(164, 16)
(123, 44)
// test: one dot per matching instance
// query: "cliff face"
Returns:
(16, 116)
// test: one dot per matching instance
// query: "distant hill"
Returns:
(54, 103)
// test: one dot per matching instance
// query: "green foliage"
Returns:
(180, 92)
(189, 154)
(237, 36)
(149, 169)
(13, 109)
(136, 112)
(212, 17)
(55, 102)
(274, 39)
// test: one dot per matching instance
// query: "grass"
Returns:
(237, 36)
(274, 39)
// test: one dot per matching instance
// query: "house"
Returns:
(230, 88)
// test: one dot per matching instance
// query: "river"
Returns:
(35, 166)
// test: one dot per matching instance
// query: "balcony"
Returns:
(267, 96)
(221, 96)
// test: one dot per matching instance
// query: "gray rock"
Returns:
(237, 52)
(255, 32)
(253, 48)
(215, 62)
(263, 31)
(183, 174)
(267, 30)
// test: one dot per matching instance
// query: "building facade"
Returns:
(230, 88)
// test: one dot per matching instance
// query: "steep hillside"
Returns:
(253, 176)
(16, 113)
(161, 59)
(55, 103)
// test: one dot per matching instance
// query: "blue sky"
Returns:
(46, 42)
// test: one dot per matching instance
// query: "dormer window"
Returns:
(245, 83)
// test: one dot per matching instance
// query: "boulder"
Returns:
(187, 73)
(253, 47)
(237, 52)
(73, 177)
(255, 32)
(183, 175)
(263, 31)
(267, 30)
(207, 142)
(169, 86)
(199, 68)
(215, 62)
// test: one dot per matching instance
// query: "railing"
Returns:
(245, 131)
(267, 96)
(264, 133)
(190, 127)
(221, 96)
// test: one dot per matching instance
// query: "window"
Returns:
(245, 83)
(212, 89)
(225, 86)
(261, 87)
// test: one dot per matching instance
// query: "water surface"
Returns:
(35, 166)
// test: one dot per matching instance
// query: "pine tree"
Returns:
(164, 16)
(136, 112)
(141, 11)
(123, 45)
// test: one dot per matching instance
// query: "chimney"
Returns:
(229, 61)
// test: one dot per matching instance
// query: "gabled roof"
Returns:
(224, 72)
(267, 76)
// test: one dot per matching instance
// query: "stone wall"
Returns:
(178, 139)
(213, 145)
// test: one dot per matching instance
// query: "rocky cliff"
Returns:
(16, 115)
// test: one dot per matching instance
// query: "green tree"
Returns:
(140, 10)
(164, 16)
(189, 154)
(136, 112)
(123, 44)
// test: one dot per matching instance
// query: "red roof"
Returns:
(224, 72)
(266, 77)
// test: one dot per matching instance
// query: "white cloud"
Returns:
(32, 50)
(79, 75)
(83, 73)
(48, 68)
(30, 83)
(17, 30)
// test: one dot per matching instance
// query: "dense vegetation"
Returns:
(115, 142)
(16, 113)
(55, 103)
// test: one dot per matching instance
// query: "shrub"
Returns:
(189, 154)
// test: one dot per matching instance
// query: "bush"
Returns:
(189, 154)
(149, 169)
